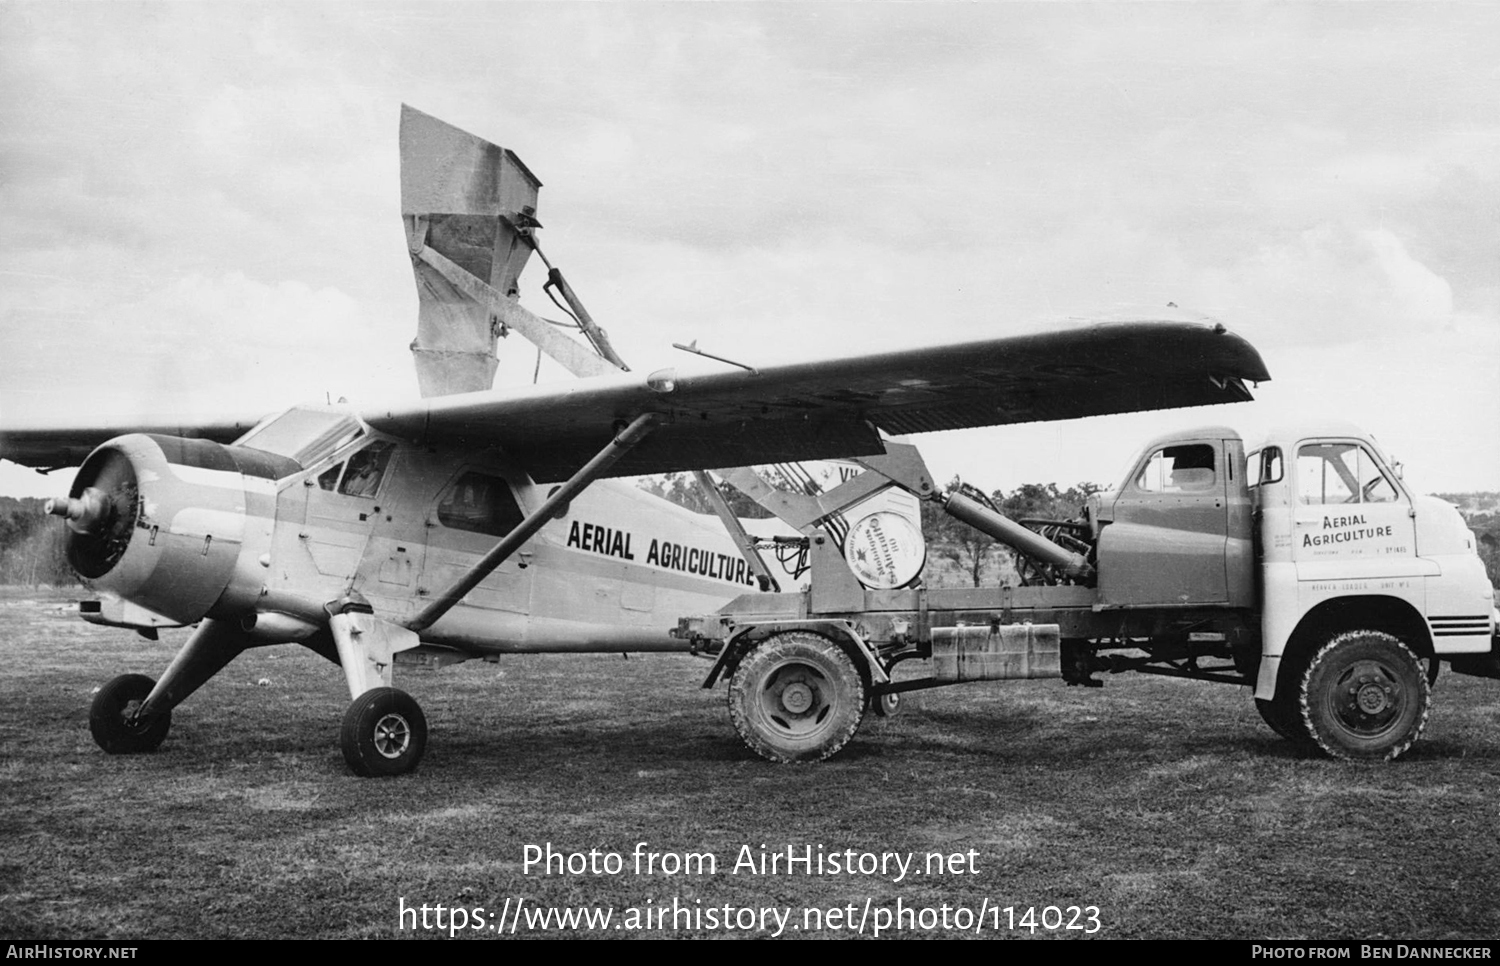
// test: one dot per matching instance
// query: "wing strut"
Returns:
(736, 531)
(638, 430)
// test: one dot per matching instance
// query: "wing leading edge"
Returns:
(831, 408)
(52, 443)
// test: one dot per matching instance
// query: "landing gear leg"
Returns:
(132, 713)
(384, 732)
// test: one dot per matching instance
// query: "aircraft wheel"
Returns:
(796, 697)
(1364, 696)
(112, 719)
(886, 705)
(384, 733)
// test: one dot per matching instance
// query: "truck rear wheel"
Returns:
(796, 697)
(1364, 695)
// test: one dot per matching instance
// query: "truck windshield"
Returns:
(305, 433)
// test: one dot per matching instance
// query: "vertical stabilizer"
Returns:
(462, 197)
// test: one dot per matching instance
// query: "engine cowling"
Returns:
(178, 526)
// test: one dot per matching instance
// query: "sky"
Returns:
(201, 201)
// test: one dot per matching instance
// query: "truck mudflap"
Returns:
(996, 652)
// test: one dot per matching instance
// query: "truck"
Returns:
(1304, 569)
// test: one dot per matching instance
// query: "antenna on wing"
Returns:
(693, 348)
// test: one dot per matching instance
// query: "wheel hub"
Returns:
(392, 736)
(1369, 698)
(797, 698)
(1372, 698)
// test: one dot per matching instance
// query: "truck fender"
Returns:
(1335, 616)
(842, 632)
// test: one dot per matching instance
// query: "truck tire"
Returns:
(1364, 695)
(796, 697)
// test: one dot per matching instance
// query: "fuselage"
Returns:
(396, 522)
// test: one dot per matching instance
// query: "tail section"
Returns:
(465, 198)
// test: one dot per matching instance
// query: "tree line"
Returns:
(32, 545)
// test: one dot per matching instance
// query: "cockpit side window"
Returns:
(329, 478)
(366, 469)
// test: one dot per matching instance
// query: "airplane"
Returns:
(481, 521)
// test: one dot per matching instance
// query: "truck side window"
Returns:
(1264, 466)
(479, 503)
(1179, 469)
(1341, 473)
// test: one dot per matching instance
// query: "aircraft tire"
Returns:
(109, 717)
(796, 697)
(1364, 695)
(384, 733)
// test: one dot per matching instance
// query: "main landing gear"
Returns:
(384, 733)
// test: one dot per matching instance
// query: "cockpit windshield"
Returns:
(305, 433)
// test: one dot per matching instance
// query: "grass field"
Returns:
(1166, 804)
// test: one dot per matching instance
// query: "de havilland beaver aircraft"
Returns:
(481, 521)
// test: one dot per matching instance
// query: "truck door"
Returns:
(1350, 519)
(1169, 533)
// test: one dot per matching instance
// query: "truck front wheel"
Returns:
(1364, 695)
(796, 697)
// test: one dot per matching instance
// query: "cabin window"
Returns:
(1179, 469)
(1341, 473)
(479, 503)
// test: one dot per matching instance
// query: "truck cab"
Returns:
(1177, 530)
(1346, 544)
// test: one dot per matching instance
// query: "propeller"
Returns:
(101, 512)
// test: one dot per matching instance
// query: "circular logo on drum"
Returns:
(885, 550)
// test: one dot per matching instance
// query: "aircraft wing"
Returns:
(50, 443)
(815, 410)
